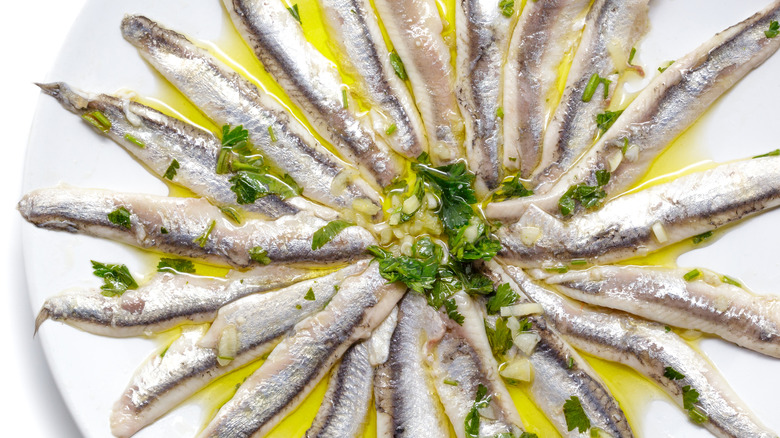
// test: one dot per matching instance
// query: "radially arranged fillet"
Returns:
(694, 299)
(188, 227)
(313, 83)
(661, 112)
(415, 28)
(653, 351)
(545, 33)
(227, 98)
(641, 222)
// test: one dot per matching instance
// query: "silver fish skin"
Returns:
(227, 98)
(641, 222)
(406, 401)
(253, 324)
(483, 36)
(612, 28)
(313, 83)
(415, 28)
(303, 358)
(188, 227)
(166, 301)
(648, 348)
(164, 139)
(545, 33)
(661, 112)
(704, 303)
(354, 27)
(463, 355)
(559, 373)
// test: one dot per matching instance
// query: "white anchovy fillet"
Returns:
(355, 29)
(189, 227)
(703, 303)
(612, 28)
(463, 355)
(545, 32)
(344, 409)
(302, 359)
(227, 98)
(648, 348)
(166, 301)
(244, 331)
(313, 83)
(642, 222)
(661, 112)
(164, 139)
(415, 28)
(404, 393)
(560, 373)
(483, 38)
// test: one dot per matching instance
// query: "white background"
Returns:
(31, 34)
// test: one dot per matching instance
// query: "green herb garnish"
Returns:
(575, 415)
(691, 275)
(631, 56)
(231, 213)
(175, 265)
(504, 296)
(271, 134)
(450, 382)
(593, 84)
(672, 374)
(728, 280)
(668, 64)
(774, 29)
(701, 237)
(500, 338)
(98, 120)
(482, 400)
(390, 130)
(170, 172)
(500, 112)
(328, 232)
(507, 7)
(398, 66)
(259, 255)
(203, 238)
(606, 119)
(295, 13)
(452, 311)
(134, 141)
(512, 188)
(116, 278)
(774, 153)
(309, 295)
(344, 101)
(121, 217)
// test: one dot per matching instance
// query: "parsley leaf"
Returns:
(170, 173)
(328, 232)
(575, 415)
(701, 237)
(513, 188)
(294, 12)
(774, 29)
(121, 217)
(310, 295)
(235, 136)
(593, 83)
(452, 311)
(587, 196)
(418, 275)
(690, 397)
(774, 153)
(606, 119)
(504, 296)
(507, 7)
(204, 238)
(116, 278)
(259, 255)
(672, 374)
(249, 186)
(398, 67)
(500, 338)
(482, 400)
(175, 265)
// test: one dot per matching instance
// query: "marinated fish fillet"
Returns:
(639, 223)
(483, 38)
(229, 99)
(243, 331)
(355, 29)
(298, 363)
(188, 227)
(545, 32)
(704, 302)
(661, 112)
(313, 83)
(560, 373)
(612, 28)
(648, 348)
(405, 396)
(463, 362)
(158, 140)
(166, 301)
(415, 28)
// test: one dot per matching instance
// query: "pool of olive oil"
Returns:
(632, 390)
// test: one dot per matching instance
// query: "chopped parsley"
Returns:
(310, 295)
(175, 265)
(295, 13)
(570, 363)
(482, 400)
(204, 238)
(170, 172)
(390, 130)
(504, 296)
(606, 119)
(774, 29)
(500, 338)
(328, 232)
(701, 237)
(690, 398)
(593, 84)
(398, 66)
(231, 213)
(575, 415)
(512, 188)
(249, 186)
(774, 153)
(121, 217)
(585, 195)
(672, 374)
(528, 435)
(259, 255)
(116, 278)
(500, 112)
(507, 7)
(692, 275)
(134, 141)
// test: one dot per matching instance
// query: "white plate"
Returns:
(92, 371)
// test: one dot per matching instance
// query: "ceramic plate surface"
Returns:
(92, 371)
